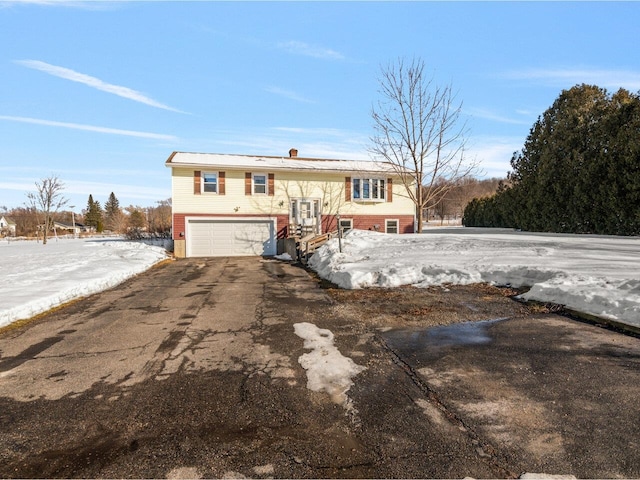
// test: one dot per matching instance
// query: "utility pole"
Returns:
(73, 220)
(339, 233)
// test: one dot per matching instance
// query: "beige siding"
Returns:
(328, 187)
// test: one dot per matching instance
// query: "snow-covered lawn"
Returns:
(593, 274)
(37, 277)
(598, 275)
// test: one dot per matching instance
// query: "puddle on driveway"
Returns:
(413, 342)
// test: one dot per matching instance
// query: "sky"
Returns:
(100, 93)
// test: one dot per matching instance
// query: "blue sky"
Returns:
(101, 93)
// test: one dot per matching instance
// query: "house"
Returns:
(75, 228)
(228, 205)
(7, 227)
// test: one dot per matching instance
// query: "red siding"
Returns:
(179, 223)
(362, 222)
(369, 222)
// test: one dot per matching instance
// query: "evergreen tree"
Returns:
(579, 170)
(94, 216)
(136, 219)
(112, 213)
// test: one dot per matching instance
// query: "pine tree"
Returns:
(112, 213)
(137, 219)
(579, 170)
(99, 217)
(93, 217)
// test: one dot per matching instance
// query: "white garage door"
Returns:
(230, 237)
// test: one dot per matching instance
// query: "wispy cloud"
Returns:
(86, 4)
(89, 128)
(496, 117)
(325, 132)
(310, 142)
(301, 48)
(494, 153)
(94, 82)
(612, 79)
(288, 94)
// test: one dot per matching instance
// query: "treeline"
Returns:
(578, 172)
(457, 194)
(112, 218)
(95, 218)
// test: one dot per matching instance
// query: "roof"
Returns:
(253, 162)
(8, 220)
(68, 225)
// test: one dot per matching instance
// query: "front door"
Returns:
(305, 215)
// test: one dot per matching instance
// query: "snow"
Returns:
(327, 369)
(37, 277)
(596, 275)
(275, 163)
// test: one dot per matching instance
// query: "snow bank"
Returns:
(37, 277)
(327, 369)
(598, 275)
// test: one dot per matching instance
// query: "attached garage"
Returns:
(229, 237)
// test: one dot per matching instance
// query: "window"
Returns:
(369, 189)
(210, 182)
(259, 184)
(391, 226)
(345, 224)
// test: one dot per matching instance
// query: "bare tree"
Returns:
(159, 217)
(418, 131)
(47, 200)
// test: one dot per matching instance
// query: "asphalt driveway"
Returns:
(191, 370)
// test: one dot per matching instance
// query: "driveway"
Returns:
(191, 370)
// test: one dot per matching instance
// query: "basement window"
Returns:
(346, 224)
(391, 226)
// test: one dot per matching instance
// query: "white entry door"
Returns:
(305, 214)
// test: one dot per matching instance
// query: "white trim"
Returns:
(382, 191)
(202, 182)
(188, 219)
(253, 183)
(350, 220)
(386, 224)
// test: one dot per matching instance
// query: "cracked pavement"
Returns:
(191, 370)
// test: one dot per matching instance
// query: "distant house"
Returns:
(7, 227)
(226, 205)
(75, 228)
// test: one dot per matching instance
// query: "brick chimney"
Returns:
(293, 153)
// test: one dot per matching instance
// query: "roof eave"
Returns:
(276, 168)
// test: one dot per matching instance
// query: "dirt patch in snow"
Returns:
(433, 306)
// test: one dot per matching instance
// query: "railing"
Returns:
(310, 243)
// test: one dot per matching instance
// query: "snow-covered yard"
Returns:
(598, 275)
(592, 274)
(37, 277)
